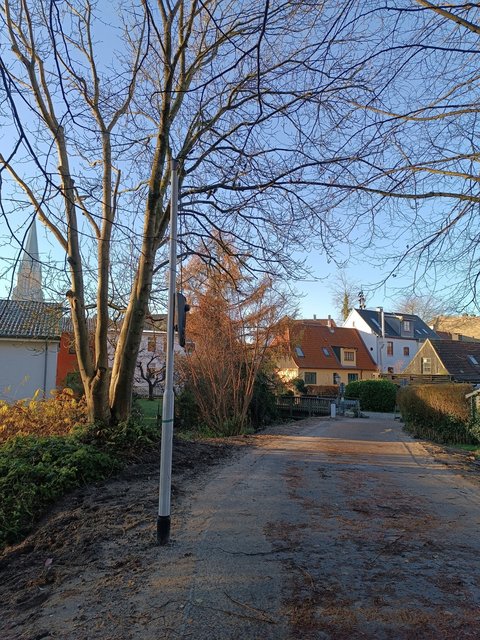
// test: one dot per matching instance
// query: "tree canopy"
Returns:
(251, 98)
(297, 126)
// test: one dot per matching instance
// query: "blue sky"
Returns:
(314, 295)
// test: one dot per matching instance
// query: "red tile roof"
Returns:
(316, 339)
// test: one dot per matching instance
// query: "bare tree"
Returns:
(152, 371)
(427, 307)
(98, 98)
(344, 294)
(419, 181)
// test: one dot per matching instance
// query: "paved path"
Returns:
(324, 529)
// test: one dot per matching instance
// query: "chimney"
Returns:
(314, 316)
(382, 320)
(330, 326)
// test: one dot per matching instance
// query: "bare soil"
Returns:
(74, 535)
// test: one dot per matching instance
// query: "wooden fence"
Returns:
(301, 406)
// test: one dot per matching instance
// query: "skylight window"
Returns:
(473, 360)
(326, 351)
(299, 352)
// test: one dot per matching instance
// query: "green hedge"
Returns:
(374, 395)
(439, 412)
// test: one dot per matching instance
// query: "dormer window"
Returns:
(348, 357)
(407, 326)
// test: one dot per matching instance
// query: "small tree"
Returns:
(232, 325)
(151, 371)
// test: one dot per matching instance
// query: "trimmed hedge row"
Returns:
(374, 395)
(438, 412)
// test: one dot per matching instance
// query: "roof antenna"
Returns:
(361, 299)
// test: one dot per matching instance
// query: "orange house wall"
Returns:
(66, 362)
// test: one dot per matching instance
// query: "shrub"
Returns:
(374, 395)
(126, 439)
(34, 472)
(187, 412)
(74, 382)
(299, 385)
(54, 416)
(438, 412)
(263, 407)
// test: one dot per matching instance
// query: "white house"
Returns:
(392, 339)
(150, 366)
(29, 343)
(29, 332)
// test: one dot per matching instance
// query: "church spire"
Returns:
(29, 276)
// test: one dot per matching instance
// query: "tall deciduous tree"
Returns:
(99, 97)
(426, 307)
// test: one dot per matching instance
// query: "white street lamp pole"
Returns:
(163, 520)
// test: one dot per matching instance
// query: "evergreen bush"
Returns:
(374, 395)
(36, 471)
(46, 450)
(263, 407)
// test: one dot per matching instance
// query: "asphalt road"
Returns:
(323, 529)
(332, 529)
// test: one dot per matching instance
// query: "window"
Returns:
(389, 348)
(352, 377)
(326, 351)
(426, 365)
(336, 378)
(310, 377)
(152, 343)
(299, 352)
(406, 351)
(349, 356)
(407, 326)
(473, 359)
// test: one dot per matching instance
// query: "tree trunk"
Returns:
(96, 395)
